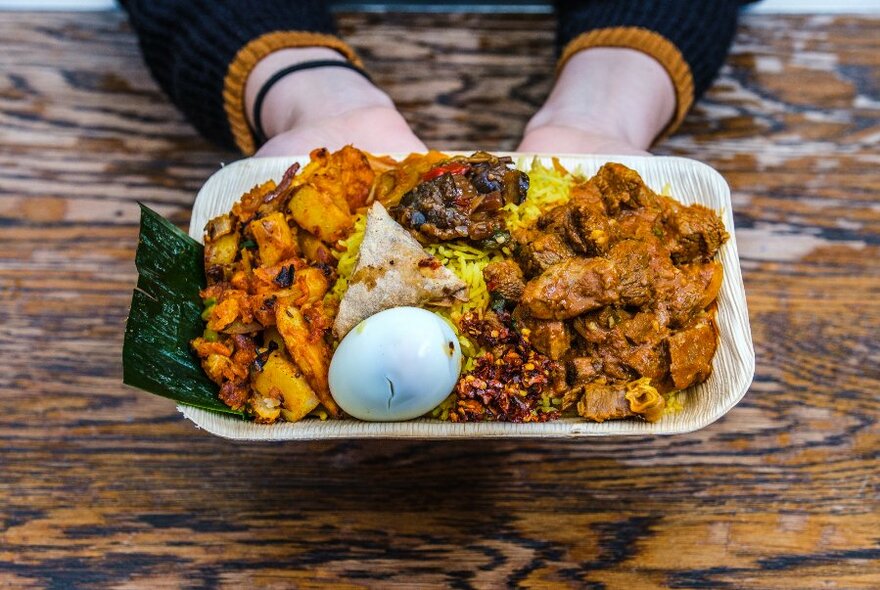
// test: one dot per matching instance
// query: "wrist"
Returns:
(611, 92)
(307, 95)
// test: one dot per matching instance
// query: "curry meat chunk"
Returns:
(504, 278)
(536, 251)
(549, 337)
(696, 232)
(572, 287)
(600, 402)
(690, 353)
(619, 286)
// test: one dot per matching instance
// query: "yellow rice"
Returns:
(547, 187)
(347, 256)
(674, 402)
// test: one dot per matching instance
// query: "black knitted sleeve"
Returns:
(702, 30)
(189, 44)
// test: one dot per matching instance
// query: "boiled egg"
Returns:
(395, 365)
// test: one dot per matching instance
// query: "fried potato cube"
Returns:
(281, 376)
(312, 284)
(305, 344)
(314, 249)
(221, 251)
(318, 214)
(274, 238)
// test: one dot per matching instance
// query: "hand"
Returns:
(605, 100)
(569, 139)
(325, 107)
(378, 130)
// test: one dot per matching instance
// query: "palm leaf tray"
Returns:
(166, 315)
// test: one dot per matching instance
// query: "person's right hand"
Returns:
(325, 107)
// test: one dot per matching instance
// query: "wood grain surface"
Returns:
(106, 487)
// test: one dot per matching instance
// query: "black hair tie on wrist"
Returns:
(306, 65)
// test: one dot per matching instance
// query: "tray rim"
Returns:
(230, 427)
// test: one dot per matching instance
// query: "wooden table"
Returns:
(103, 486)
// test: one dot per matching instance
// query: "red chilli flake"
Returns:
(507, 384)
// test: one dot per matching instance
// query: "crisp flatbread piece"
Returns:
(393, 270)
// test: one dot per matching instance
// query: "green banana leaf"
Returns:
(165, 315)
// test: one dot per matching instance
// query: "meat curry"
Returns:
(618, 286)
